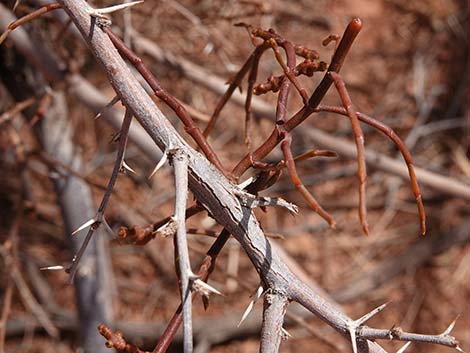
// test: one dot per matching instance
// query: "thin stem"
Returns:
(31, 16)
(351, 32)
(234, 83)
(400, 335)
(180, 163)
(190, 127)
(289, 160)
(387, 131)
(104, 202)
(249, 93)
(359, 141)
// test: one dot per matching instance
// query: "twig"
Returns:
(359, 140)
(279, 132)
(387, 131)
(27, 18)
(190, 127)
(117, 341)
(99, 218)
(180, 164)
(289, 160)
(345, 149)
(16, 109)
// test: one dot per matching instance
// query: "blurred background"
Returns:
(409, 68)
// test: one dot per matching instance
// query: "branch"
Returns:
(180, 164)
(210, 188)
(208, 185)
(346, 149)
(275, 307)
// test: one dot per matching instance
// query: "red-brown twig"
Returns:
(116, 340)
(234, 83)
(387, 131)
(351, 32)
(289, 160)
(141, 235)
(16, 109)
(359, 140)
(44, 104)
(28, 17)
(249, 93)
(190, 127)
(205, 269)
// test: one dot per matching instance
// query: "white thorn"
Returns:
(160, 163)
(126, 167)
(285, 333)
(52, 268)
(370, 314)
(352, 332)
(290, 206)
(108, 228)
(245, 183)
(84, 225)
(459, 349)
(258, 294)
(204, 288)
(402, 349)
(450, 328)
(17, 2)
(107, 106)
(114, 8)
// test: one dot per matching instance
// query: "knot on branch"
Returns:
(116, 340)
(136, 235)
(141, 235)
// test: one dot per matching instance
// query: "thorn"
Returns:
(108, 228)
(84, 225)
(126, 167)
(450, 328)
(159, 164)
(17, 2)
(246, 183)
(52, 268)
(204, 288)
(459, 349)
(402, 349)
(352, 332)
(107, 106)
(286, 335)
(100, 13)
(258, 294)
(370, 314)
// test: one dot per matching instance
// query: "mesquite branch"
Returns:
(220, 196)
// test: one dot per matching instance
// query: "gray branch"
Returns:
(274, 310)
(180, 164)
(210, 188)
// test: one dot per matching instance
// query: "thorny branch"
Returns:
(180, 164)
(99, 218)
(219, 196)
